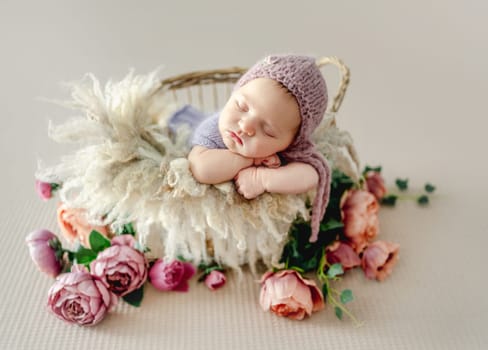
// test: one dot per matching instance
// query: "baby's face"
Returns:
(260, 119)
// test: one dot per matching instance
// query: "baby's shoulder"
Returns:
(207, 133)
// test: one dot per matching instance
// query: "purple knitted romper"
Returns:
(301, 76)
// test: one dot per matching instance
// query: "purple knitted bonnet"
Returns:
(301, 76)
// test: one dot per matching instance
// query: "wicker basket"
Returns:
(130, 149)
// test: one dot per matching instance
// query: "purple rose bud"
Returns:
(215, 280)
(121, 267)
(80, 298)
(44, 190)
(42, 253)
(171, 276)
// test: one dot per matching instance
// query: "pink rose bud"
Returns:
(80, 298)
(42, 253)
(375, 184)
(342, 253)
(121, 267)
(171, 276)
(286, 293)
(360, 218)
(74, 225)
(379, 258)
(215, 280)
(44, 190)
(127, 240)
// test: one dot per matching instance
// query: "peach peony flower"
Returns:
(74, 225)
(375, 184)
(80, 298)
(288, 294)
(341, 252)
(360, 218)
(379, 258)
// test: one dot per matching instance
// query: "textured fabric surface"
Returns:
(435, 298)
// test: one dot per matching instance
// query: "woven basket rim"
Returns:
(232, 74)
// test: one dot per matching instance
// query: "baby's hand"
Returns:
(272, 161)
(248, 182)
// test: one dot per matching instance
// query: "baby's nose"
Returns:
(247, 127)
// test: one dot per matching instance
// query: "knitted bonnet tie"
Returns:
(301, 76)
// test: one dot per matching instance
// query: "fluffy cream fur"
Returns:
(130, 168)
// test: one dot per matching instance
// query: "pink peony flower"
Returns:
(171, 276)
(375, 184)
(288, 294)
(379, 258)
(341, 252)
(44, 190)
(215, 280)
(121, 267)
(42, 253)
(80, 298)
(360, 218)
(73, 225)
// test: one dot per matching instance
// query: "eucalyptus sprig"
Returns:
(330, 294)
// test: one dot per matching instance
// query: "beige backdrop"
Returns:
(416, 105)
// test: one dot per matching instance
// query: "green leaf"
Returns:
(338, 312)
(84, 256)
(346, 296)
(54, 186)
(375, 169)
(389, 200)
(98, 242)
(334, 270)
(127, 229)
(330, 225)
(429, 188)
(135, 298)
(402, 184)
(423, 200)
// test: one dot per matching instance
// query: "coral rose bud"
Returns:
(74, 225)
(215, 280)
(41, 245)
(80, 298)
(375, 184)
(286, 293)
(360, 218)
(173, 275)
(121, 267)
(379, 258)
(44, 190)
(342, 253)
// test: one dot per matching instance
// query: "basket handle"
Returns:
(234, 73)
(337, 101)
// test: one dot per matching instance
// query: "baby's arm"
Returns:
(213, 166)
(292, 178)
